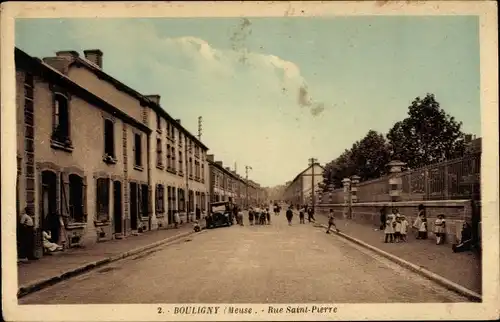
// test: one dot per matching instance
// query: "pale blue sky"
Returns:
(361, 73)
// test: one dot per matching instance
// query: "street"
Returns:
(251, 264)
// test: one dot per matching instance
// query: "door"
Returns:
(49, 217)
(117, 206)
(133, 206)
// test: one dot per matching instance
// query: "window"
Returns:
(180, 163)
(102, 199)
(76, 198)
(60, 131)
(159, 161)
(160, 199)
(173, 158)
(202, 173)
(169, 163)
(138, 150)
(158, 122)
(168, 129)
(109, 138)
(182, 201)
(203, 202)
(180, 139)
(190, 167)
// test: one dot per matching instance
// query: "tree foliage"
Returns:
(428, 135)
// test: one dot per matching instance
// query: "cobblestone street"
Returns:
(251, 264)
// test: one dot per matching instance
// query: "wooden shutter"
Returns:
(65, 208)
(84, 199)
(150, 200)
(139, 200)
(157, 202)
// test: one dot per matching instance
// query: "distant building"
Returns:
(300, 189)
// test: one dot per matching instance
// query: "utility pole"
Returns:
(312, 162)
(200, 120)
(247, 167)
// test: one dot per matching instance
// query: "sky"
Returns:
(274, 92)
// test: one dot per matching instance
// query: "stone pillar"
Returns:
(331, 187)
(395, 181)
(354, 188)
(346, 182)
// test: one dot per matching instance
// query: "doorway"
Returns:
(133, 206)
(117, 207)
(49, 217)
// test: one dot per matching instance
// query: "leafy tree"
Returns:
(428, 135)
(370, 156)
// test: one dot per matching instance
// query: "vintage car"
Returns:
(220, 214)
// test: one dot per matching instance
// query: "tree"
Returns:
(428, 135)
(370, 156)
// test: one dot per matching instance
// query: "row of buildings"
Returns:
(299, 191)
(106, 159)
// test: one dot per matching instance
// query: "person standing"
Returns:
(268, 216)
(331, 222)
(177, 219)
(27, 234)
(250, 216)
(440, 229)
(389, 229)
(301, 216)
(420, 217)
(289, 216)
(383, 217)
(198, 212)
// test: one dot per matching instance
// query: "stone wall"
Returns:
(455, 212)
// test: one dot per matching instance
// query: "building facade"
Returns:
(299, 190)
(87, 154)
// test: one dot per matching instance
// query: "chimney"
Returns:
(67, 53)
(219, 163)
(210, 157)
(154, 98)
(94, 56)
(59, 63)
(228, 169)
(468, 138)
(178, 121)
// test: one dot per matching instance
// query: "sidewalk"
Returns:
(461, 268)
(54, 265)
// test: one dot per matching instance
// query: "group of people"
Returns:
(395, 226)
(261, 215)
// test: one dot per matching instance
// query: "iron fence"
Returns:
(449, 180)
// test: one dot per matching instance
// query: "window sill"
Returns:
(159, 166)
(159, 131)
(138, 168)
(160, 215)
(109, 160)
(76, 225)
(172, 171)
(181, 174)
(99, 223)
(68, 147)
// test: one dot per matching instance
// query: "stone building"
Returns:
(300, 189)
(223, 181)
(86, 151)
(76, 158)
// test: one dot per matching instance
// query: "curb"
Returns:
(422, 271)
(46, 282)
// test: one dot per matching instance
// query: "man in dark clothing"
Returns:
(383, 217)
(310, 214)
(198, 213)
(289, 216)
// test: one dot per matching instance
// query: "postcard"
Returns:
(256, 161)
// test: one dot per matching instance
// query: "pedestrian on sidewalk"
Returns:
(27, 235)
(289, 216)
(331, 222)
(383, 217)
(422, 232)
(440, 229)
(404, 228)
(262, 218)
(389, 229)
(301, 216)
(177, 219)
(250, 216)
(397, 229)
(418, 221)
(268, 215)
(240, 217)
(198, 212)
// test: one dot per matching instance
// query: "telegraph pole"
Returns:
(312, 162)
(200, 120)
(247, 167)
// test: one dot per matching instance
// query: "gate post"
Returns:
(346, 182)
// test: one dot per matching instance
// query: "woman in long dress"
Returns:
(440, 229)
(48, 245)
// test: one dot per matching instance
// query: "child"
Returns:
(422, 231)
(197, 227)
(404, 228)
(301, 216)
(289, 215)
(397, 229)
(389, 229)
(331, 222)
(262, 218)
(440, 229)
